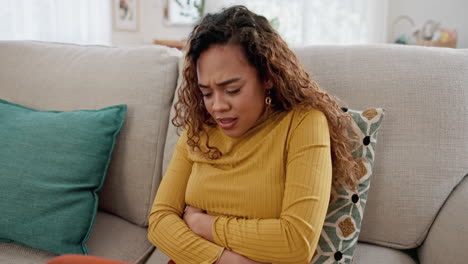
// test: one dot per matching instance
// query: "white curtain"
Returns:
(67, 21)
(305, 22)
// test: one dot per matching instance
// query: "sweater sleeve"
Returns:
(167, 230)
(293, 237)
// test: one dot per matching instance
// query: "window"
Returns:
(69, 21)
(304, 22)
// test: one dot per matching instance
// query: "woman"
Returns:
(254, 162)
(251, 176)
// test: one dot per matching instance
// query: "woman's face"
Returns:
(232, 91)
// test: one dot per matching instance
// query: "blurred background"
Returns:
(300, 22)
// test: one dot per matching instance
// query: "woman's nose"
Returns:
(220, 104)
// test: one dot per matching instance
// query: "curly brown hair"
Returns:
(293, 87)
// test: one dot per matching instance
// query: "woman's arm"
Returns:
(293, 237)
(166, 230)
(229, 257)
(201, 223)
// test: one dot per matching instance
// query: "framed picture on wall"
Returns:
(184, 12)
(125, 15)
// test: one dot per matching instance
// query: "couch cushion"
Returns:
(52, 164)
(112, 237)
(172, 132)
(365, 254)
(342, 225)
(12, 253)
(373, 254)
(116, 238)
(423, 147)
(66, 77)
(446, 241)
(157, 257)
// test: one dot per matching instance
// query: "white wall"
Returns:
(452, 14)
(152, 26)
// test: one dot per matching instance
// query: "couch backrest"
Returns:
(422, 146)
(70, 77)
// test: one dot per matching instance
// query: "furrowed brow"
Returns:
(223, 83)
(233, 80)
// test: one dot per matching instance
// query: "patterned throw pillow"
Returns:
(342, 225)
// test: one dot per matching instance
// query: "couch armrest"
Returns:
(446, 240)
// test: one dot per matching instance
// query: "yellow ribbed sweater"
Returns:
(269, 192)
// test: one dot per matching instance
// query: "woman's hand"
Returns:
(191, 215)
(229, 257)
(199, 222)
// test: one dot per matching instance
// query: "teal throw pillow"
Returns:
(52, 164)
(342, 226)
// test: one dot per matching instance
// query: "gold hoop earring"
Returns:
(268, 98)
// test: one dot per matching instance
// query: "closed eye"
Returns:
(233, 91)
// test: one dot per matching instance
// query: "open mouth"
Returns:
(227, 123)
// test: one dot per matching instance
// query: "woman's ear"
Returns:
(268, 84)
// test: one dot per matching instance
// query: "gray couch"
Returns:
(417, 209)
